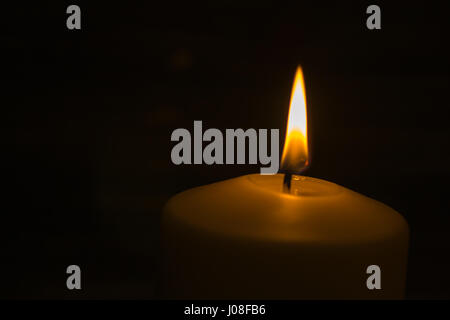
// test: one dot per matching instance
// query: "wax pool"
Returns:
(244, 238)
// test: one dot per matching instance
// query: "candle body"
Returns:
(244, 238)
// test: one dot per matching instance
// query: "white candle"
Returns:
(248, 238)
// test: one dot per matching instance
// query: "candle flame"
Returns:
(295, 156)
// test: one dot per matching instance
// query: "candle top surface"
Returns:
(255, 207)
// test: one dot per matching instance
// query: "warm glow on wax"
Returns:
(295, 152)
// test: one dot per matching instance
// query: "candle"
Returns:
(282, 236)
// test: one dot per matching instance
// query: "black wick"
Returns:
(287, 182)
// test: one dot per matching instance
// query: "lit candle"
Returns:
(270, 237)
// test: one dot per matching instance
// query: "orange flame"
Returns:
(295, 156)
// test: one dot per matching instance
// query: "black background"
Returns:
(86, 166)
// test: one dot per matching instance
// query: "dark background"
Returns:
(88, 115)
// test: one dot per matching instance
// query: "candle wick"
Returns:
(287, 183)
